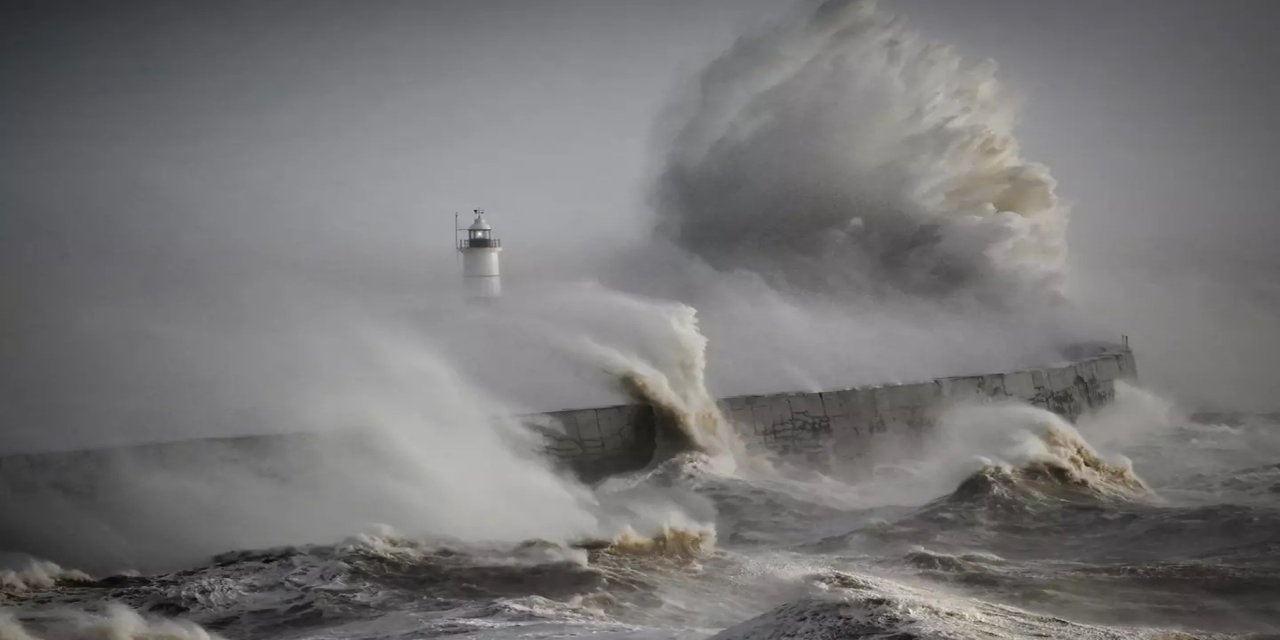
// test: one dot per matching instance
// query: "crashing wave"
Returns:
(117, 622)
(672, 542)
(672, 379)
(873, 608)
(1065, 469)
(928, 560)
(38, 574)
(844, 153)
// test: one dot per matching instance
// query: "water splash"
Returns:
(844, 153)
(1060, 466)
(37, 574)
(117, 622)
(668, 371)
(669, 541)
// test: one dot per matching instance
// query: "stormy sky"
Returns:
(154, 153)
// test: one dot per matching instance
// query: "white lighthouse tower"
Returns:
(480, 273)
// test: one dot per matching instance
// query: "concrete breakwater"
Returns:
(109, 487)
(837, 426)
(825, 427)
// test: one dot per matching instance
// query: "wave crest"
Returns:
(671, 542)
(38, 574)
(1066, 469)
(118, 622)
(866, 607)
(922, 558)
(672, 379)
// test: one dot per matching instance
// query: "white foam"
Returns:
(843, 152)
(117, 622)
(37, 574)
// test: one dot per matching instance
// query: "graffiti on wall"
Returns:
(802, 421)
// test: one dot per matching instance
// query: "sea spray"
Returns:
(390, 432)
(676, 387)
(117, 622)
(386, 432)
(36, 575)
(1192, 459)
(1136, 415)
(674, 383)
(1001, 443)
(843, 153)
(647, 349)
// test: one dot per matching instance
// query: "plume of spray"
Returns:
(605, 346)
(1026, 444)
(391, 419)
(845, 204)
(1135, 417)
(383, 431)
(1190, 459)
(117, 622)
(842, 153)
(35, 575)
(674, 382)
(593, 345)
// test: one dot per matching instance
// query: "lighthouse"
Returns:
(480, 251)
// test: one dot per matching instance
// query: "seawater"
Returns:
(1171, 529)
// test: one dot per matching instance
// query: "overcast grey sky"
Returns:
(153, 151)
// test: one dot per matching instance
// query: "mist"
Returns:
(229, 222)
(185, 289)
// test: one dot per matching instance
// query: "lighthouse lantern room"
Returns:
(479, 249)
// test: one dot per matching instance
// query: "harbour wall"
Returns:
(105, 487)
(838, 426)
(834, 427)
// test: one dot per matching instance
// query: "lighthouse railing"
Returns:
(479, 243)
